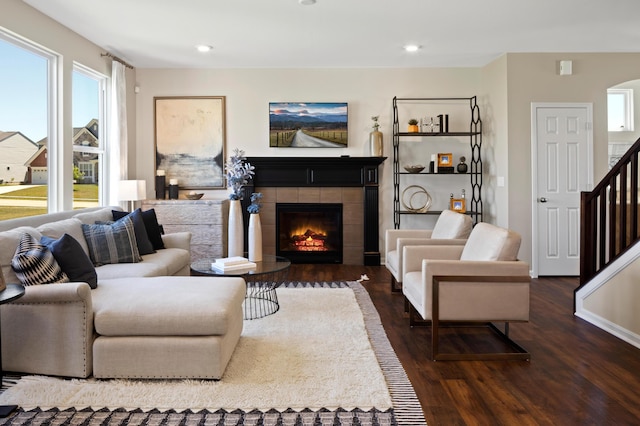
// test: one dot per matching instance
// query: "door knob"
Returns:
(543, 200)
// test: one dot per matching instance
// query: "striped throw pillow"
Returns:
(112, 243)
(34, 264)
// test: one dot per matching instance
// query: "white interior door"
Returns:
(562, 167)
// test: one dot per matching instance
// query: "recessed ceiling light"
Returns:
(307, 2)
(412, 48)
(204, 48)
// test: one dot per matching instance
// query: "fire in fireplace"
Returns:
(309, 232)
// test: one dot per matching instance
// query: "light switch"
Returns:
(566, 67)
(500, 181)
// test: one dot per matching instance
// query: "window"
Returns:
(27, 127)
(88, 137)
(620, 110)
(87, 170)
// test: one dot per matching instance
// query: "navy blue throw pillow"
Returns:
(72, 259)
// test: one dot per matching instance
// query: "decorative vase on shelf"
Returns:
(255, 238)
(375, 143)
(462, 166)
(236, 229)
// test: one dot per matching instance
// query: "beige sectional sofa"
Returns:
(143, 320)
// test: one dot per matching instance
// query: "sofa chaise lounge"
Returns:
(146, 319)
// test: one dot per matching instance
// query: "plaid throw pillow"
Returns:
(139, 227)
(34, 264)
(154, 230)
(112, 243)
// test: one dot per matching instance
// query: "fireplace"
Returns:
(309, 232)
(349, 181)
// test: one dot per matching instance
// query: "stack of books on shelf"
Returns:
(233, 265)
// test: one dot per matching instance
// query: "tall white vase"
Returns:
(255, 238)
(236, 229)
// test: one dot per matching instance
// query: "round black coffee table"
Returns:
(261, 298)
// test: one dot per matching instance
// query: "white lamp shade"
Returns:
(132, 190)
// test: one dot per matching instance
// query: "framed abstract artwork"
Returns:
(308, 125)
(190, 140)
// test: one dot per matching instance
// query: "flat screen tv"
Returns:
(308, 125)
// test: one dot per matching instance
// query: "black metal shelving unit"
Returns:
(475, 166)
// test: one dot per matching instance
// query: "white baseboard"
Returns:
(611, 328)
(601, 279)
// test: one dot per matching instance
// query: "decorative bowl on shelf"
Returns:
(195, 196)
(414, 169)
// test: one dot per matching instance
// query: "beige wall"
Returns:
(534, 77)
(28, 23)
(248, 92)
(617, 300)
(495, 143)
(506, 89)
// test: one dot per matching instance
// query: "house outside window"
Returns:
(88, 136)
(27, 117)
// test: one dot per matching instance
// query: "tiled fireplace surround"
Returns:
(352, 215)
(352, 181)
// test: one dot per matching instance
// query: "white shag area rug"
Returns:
(313, 353)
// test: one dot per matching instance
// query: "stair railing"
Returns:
(609, 216)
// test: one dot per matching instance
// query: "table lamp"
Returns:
(132, 191)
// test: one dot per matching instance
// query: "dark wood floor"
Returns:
(578, 374)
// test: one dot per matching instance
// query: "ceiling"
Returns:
(345, 33)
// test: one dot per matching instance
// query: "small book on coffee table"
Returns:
(232, 264)
(232, 260)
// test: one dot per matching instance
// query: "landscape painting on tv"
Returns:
(308, 125)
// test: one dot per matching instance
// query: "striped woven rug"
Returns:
(406, 407)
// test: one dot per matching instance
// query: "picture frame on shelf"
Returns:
(445, 159)
(190, 140)
(458, 205)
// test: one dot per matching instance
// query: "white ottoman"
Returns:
(166, 327)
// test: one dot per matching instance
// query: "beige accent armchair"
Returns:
(451, 228)
(479, 283)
